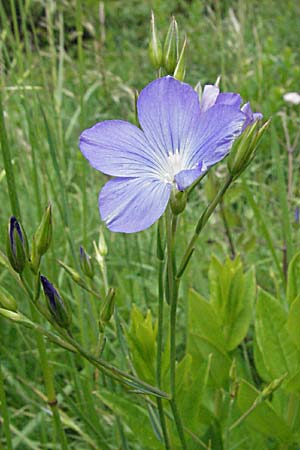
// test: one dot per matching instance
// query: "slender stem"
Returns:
(200, 225)
(173, 297)
(47, 376)
(160, 406)
(10, 178)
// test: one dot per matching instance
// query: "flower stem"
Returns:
(172, 292)
(160, 406)
(10, 178)
(200, 225)
(47, 375)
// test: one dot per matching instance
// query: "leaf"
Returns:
(263, 418)
(279, 353)
(293, 279)
(142, 344)
(232, 294)
(203, 321)
(205, 339)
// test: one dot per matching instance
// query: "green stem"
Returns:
(200, 225)
(172, 292)
(10, 178)
(160, 406)
(5, 413)
(47, 376)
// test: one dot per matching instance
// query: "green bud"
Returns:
(155, 48)
(244, 148)
(107, 308)
(43, 234)
(7, 301)
(17, 245)
(16, 317)
(179, 72)
(170, 53)
(178, 201)
(102, 244)
(74, 275)
(57, 307)
(86, 263)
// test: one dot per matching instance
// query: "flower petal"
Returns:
(129, 205)
(209, 96)
(169, 113)
(218, 128)
(117, 148)
(251, 117)
(186, 177)
(229, 98)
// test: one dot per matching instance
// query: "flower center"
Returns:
(175, 165)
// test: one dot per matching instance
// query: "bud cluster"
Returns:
(167, 57)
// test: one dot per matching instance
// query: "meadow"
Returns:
(143, 345)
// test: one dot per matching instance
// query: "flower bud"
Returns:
(107, 309)
(86, 263)
(57, 307)
(170, 53)
(102, 244)
(245, 147)
(17, 245)
(155, 48)
(43, 234)
(179, 72)
(178, 201)
(6, 300)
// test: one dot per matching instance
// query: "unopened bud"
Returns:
(86, 263)
(57, 307)
(43, 234)
(155, 48)
(7, 301)
(102, 244)
(107, 309)
(170, 53)
(178, 201)
(17, 245)
(179, 72)
(244, 149)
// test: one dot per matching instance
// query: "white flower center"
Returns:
(175, 164)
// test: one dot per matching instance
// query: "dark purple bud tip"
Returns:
(297, 211)
(50, 291)
(17, 245)
(14, 225)
(56, 305)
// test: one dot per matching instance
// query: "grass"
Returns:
(64, 67)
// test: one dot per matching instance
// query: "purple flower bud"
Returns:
(17, 245)
(57, 307)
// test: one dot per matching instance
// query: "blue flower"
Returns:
(179, 139)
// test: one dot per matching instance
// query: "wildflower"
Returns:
(179, 140)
